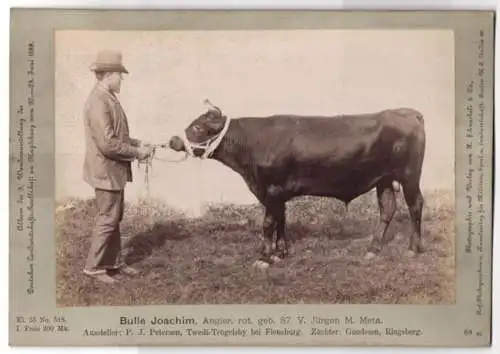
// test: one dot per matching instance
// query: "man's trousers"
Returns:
(105, 246)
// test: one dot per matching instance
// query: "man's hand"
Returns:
(144, 152)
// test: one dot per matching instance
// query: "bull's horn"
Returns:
(207, 101)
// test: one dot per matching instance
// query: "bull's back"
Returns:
(336, 139)
(322, 130)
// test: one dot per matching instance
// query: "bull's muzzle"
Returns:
(176, 143)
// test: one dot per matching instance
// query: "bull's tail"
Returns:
(409, 113)
(412, 147)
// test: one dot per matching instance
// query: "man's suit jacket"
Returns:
(109, 148)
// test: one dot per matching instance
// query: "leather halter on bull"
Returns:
(209, 145)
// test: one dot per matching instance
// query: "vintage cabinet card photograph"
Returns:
(247, 178)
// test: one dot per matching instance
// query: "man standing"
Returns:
(107, 166)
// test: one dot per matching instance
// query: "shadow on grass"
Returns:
(144, 243)
(337, 231)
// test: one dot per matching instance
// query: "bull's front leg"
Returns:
(282, 242)
(268, 228)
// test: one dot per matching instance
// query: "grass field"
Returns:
(209, 259)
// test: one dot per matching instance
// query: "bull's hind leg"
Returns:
(415, 201)
(387, 204)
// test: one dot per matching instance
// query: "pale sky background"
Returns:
(251, 73)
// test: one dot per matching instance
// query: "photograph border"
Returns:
(450, 325)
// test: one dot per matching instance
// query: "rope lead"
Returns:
(149, 164)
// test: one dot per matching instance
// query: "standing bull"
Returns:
(284, 156)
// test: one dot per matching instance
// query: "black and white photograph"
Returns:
(243, 178)
(255, 167)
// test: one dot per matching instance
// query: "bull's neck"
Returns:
(232, 150)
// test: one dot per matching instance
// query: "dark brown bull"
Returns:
(284, 156)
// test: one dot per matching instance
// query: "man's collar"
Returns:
(102, 87)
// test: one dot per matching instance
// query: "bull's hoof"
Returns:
(369, 256)
(420, 249)
(415, 250)
(410, 254)
(281, 253)
(274, 259)
(263, 266)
